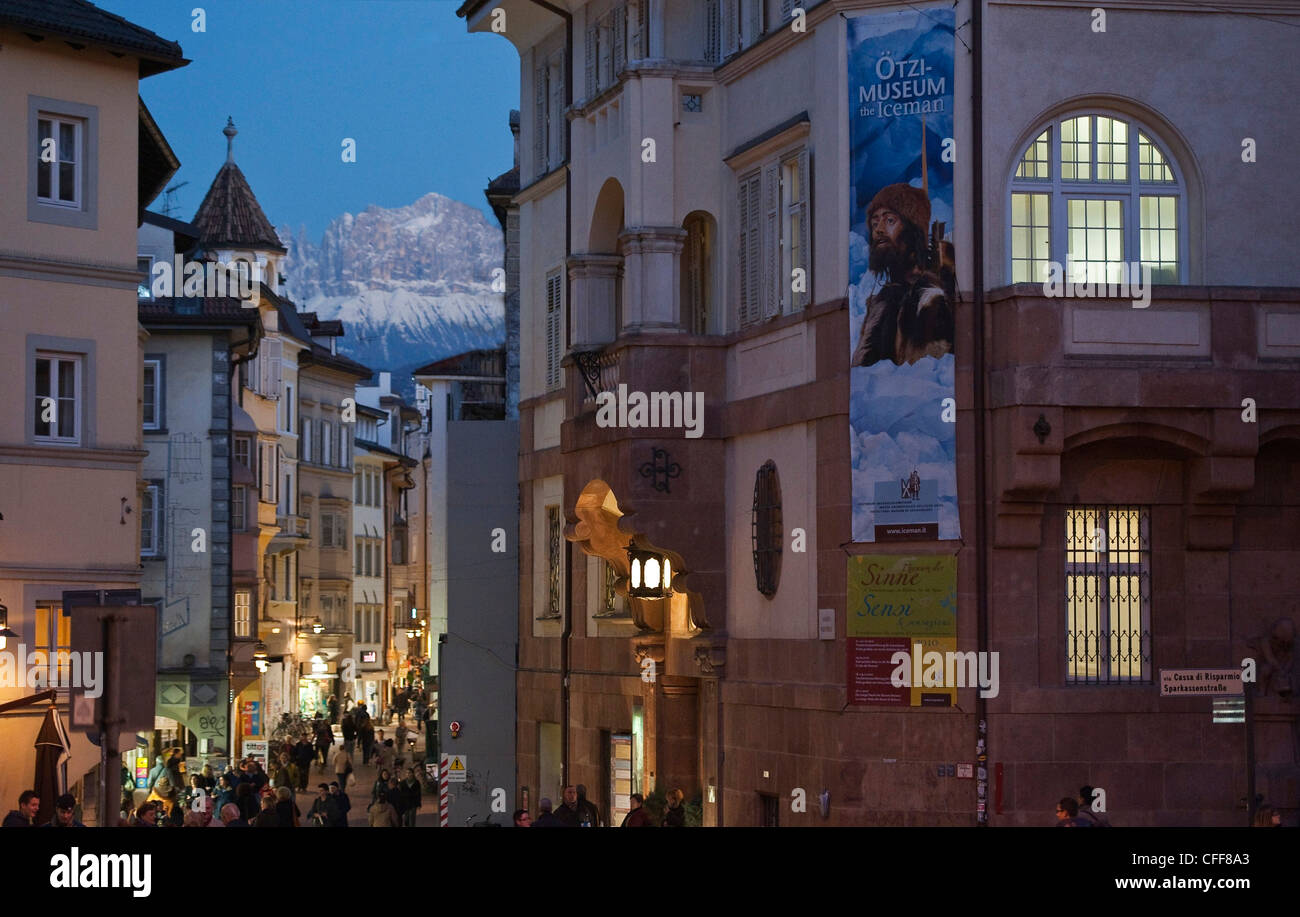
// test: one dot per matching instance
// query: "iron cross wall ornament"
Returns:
(661, 469)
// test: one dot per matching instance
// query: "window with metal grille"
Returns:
(1108, 594)
(611, 603)
(766, 529)
(554, 562)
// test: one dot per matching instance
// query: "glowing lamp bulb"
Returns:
(651, 573)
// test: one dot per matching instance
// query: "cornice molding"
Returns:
(551, 181)
(31, 266)
(71, 456)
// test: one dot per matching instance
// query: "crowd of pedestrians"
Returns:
(577, 811)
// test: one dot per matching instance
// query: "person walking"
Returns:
(303, 757)
(401, 743)
(325, 810)
(523, 819)
(545, 817)
(675, 814)
(366, 732)
(340, 796)
(194, 791)
(287, 808)
(412, 798)
(349, 729)
(324, 739)
(246, 799)
(25, 815)
(381, 786)
(225, 791)
(638, 817)
(567, 813)
(1086, 812)
(230, 817)
(342, 766)
(397, 799)
(146, 816)
(268, 817)
(588, 814)
(382, 814)
(65, 813)
(160, 765)
(167, 797)
(1067, 814)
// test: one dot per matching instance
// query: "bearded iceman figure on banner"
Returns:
(911, 315)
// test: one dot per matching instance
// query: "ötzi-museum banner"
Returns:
(902, 276)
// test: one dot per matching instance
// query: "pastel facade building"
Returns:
(82, 157)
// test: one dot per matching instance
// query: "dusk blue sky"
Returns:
(427, 102)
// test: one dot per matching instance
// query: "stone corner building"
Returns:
(1093, 415)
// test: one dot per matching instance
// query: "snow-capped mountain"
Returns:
(411, 285)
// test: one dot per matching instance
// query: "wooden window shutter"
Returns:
(555, 117)
(743, 247)
(730, 26)
(787, 7)
(539, 121)
(638, 33)
(554, 330)
(590, 61)
(620, 40)
(750, 250)
(771, 258)
(805, 230)
(753, 21)
(712, 31)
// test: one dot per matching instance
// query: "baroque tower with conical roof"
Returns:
(232, 226)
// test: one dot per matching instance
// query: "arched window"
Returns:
(1095, 191)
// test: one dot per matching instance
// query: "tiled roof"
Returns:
(230, 215)
(206, 310)
(320, 356)
(471, 363)
(72, 19)
(506, 183)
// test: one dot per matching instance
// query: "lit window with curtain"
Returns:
(1097, 190)
(53, 635)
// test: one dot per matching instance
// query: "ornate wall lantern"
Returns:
(5, 632)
